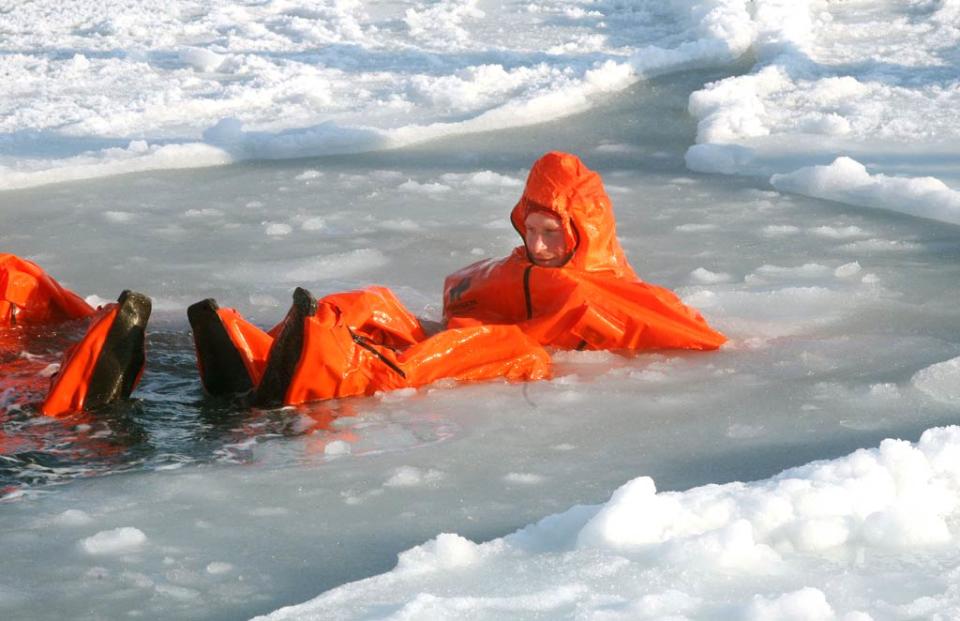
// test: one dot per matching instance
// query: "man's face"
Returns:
(545, 239)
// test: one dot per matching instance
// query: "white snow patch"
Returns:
(424, 188)
(116, 541)
(277, 229)
(843, 232)
(201, 59)
(780, 230)
(291, 80)
(807, 604)
(941, 381)
(262, 299)
(217, 568)
(313, 224)
(848, 181)
(447, 551)
(617, 148)
(484, 179)
(138, 157)
(337, 448)
(847, 270)
(705, 276)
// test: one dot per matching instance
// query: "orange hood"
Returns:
(559, 183)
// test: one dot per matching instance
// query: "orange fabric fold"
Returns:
(28, 295)
(68, 388)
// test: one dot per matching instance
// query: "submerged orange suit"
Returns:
(595, 300)
(361, 342)
(29, 296)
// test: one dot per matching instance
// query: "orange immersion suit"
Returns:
(31, 297)
(595, 300)
(361, 342)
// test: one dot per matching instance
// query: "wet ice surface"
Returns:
(838, 318)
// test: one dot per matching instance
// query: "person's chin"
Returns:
(551, 262)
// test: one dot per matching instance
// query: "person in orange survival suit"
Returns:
(570, 285)
(104, 366)
(347, 344)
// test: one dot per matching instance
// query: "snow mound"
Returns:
(767, 550)
(847, 181)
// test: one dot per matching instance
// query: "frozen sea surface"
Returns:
(840, 95)
(843, 318)
(132, 86)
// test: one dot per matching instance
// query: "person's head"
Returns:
(562, 194)
(545, 239)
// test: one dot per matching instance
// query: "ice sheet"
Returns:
(849, 101)
(129, 86)
(842, 319)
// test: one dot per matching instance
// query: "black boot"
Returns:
(221, 367)
(285, 351)
(123, 354)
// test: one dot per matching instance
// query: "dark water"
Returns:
(169, 422)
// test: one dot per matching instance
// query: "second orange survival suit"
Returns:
(595, 300)
(361, 342)
(104, 366)
(28, 295)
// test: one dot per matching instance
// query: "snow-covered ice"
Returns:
(128, 87)
(811, 543)
(849, 101)
(189, 83)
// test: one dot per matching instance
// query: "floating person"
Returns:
(105, 365)
(568, 285)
